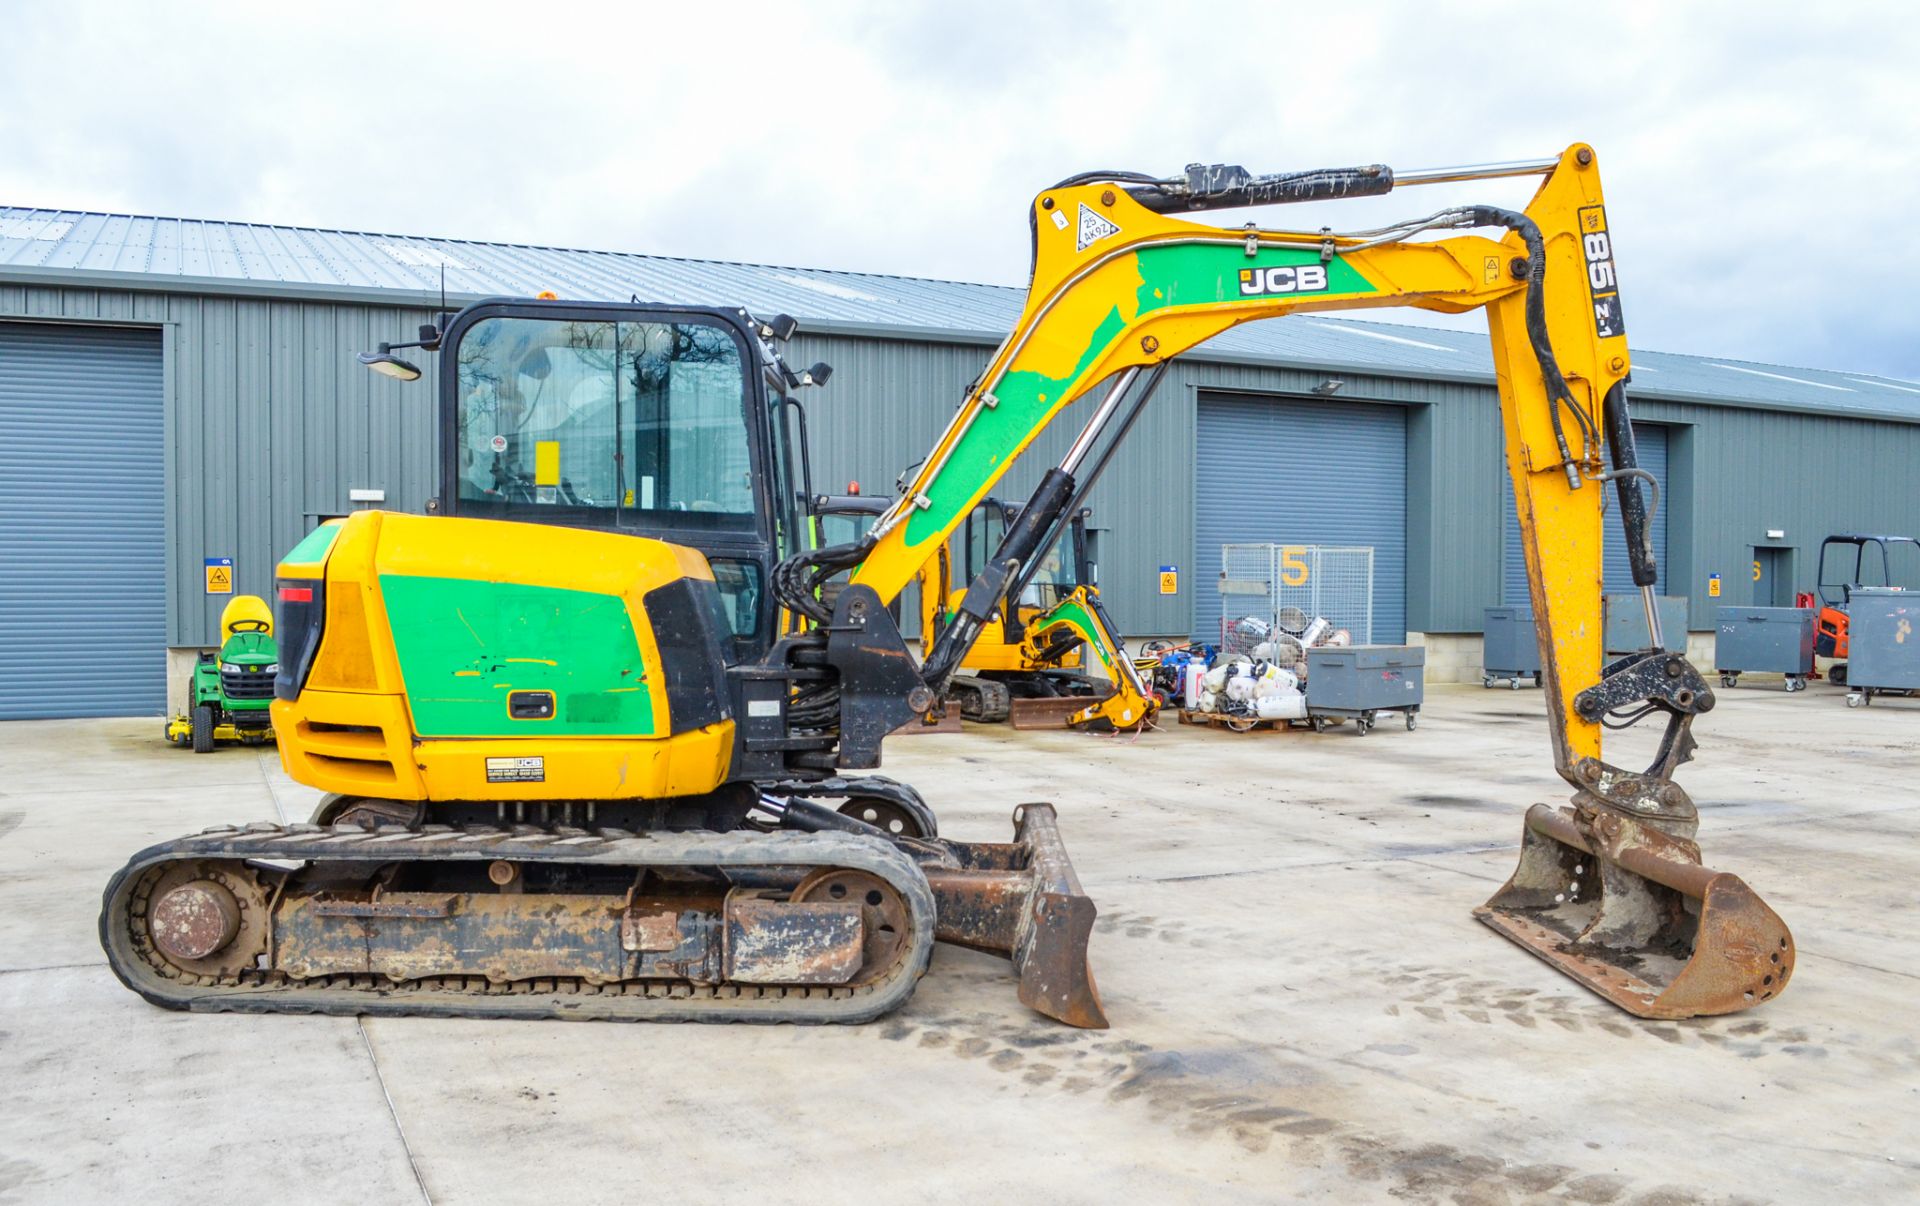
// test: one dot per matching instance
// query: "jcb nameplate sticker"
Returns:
(1596, 244)
(1287, 278)
(516, 770)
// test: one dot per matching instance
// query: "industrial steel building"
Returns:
(179, 399)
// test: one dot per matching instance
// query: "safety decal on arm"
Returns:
(1093, 228)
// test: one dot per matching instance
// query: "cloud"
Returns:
(1761, 158)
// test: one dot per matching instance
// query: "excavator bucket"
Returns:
(1021, 899)
(1631, 913)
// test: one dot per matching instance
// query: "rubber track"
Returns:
(981, 699)
(265, 991)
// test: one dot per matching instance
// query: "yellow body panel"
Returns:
(991, 650)
(381, 757)
(353, 729)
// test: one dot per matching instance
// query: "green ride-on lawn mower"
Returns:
(230, 692)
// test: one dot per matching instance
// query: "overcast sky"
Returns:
(1762, 160)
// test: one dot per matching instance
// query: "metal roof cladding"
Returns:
(71, 247)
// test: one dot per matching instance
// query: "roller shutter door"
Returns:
(1301, 471)
(1650, 442)
(83, 604)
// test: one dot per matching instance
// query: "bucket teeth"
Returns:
(1631, 913)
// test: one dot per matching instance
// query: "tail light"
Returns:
(299, 615)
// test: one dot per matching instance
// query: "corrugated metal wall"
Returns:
(271, 423)
(1650, 446)
(1734, 474)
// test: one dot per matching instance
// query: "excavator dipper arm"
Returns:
(1610, 890)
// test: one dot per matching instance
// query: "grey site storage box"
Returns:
(1510, 650)
(1355, 681)
(1627, 622)
(1768, 640)
(1883, 642)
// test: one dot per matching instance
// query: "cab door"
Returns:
(641, 419)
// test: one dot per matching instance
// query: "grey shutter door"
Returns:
(1650, 442)
(83, 566)
(1301, 471)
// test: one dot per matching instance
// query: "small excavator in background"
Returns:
(1024, 664)
(1027, 672)
(583, 768)
(1848, 562)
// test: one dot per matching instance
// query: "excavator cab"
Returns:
(649, 421)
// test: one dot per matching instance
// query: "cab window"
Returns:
(630, 423)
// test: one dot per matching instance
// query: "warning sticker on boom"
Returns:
(1093, 228)
(1596, 244)
(516, 770)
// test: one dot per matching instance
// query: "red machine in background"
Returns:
(1847, 562)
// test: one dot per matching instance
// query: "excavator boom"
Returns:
(1121, 285)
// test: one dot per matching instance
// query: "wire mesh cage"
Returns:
(1270, 589)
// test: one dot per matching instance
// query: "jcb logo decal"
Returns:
(1261, 282)
(1596, 245)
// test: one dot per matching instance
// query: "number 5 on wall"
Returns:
(1293, 565)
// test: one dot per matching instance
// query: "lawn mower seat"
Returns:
(246, 613)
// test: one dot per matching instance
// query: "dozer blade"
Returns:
(1629, 912)
(1047, 712)
(1021, 899)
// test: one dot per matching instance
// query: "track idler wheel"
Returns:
(884, 918)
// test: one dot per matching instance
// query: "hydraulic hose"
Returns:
(1558, 393)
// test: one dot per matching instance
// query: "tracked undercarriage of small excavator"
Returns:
(609, 764)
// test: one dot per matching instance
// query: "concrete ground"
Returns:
(1302, 1006)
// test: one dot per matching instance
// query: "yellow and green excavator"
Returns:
(607, 765)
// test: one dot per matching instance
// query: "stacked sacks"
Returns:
(1263, 676)
(1252, 688)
